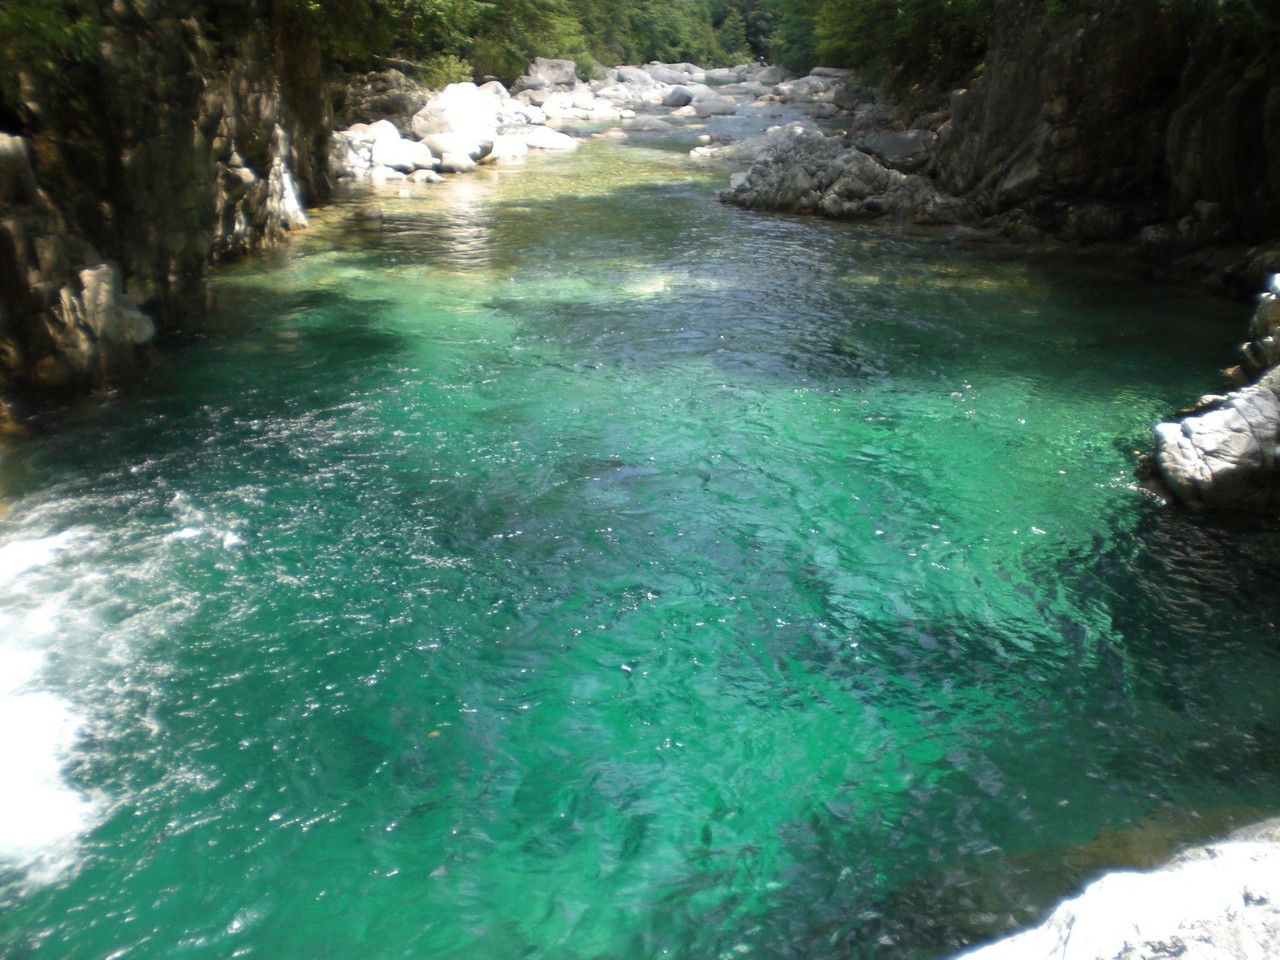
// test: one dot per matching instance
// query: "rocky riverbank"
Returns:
(1216, 902)
(397, 131)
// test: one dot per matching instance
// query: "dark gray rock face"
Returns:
(197, 135)
(1153, 110)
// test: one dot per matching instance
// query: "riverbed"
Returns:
(575, 567)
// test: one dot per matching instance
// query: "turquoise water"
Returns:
(578, 568)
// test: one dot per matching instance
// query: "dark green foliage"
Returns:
(37, 37)
(931, 42)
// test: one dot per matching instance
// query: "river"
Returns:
(577, 568)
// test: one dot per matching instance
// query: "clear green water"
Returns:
(578, 568)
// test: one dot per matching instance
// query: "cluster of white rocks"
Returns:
(464, 125)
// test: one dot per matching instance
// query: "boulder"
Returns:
(905, 150)
(771, 75)
(714, 106)
(675, 72)
(633, 77)
(441, 144)
(832, 73)
(544, 138)
(1223, 453)
(452, 161)
(728, 74)
(383, 94)
(553, 73)
(810, 173)
(462, 109)
(1217, 902)
(381, 131)
(677, 96)
(403, 155)
(802, 88)
(509, 146)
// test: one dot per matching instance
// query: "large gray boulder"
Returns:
(713, 105)
(1218, 902)
(810, 173)
(1223, 453)
(675, 72)
(908, 151)
(677, 95)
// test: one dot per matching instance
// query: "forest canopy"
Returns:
(905, 44)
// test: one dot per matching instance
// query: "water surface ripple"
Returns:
(579, 569)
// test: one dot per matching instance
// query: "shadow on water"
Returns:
(1180, 740)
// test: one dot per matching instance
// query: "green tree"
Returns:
(732, 36)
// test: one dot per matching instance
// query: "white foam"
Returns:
(20, 556)
(41, 813)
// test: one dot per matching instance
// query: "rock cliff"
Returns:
(1146, 118)
(196, 134)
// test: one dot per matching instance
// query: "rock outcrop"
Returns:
(1225, 453)
(1217, 902)
(811, 173)
(186, 140)
(1093, 126)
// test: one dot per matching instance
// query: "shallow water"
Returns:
(578, 568)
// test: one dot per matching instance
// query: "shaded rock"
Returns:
(172, 148)
(383, 94)
(677, 96)
(908, 151)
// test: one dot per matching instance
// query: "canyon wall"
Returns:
(196, 133)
